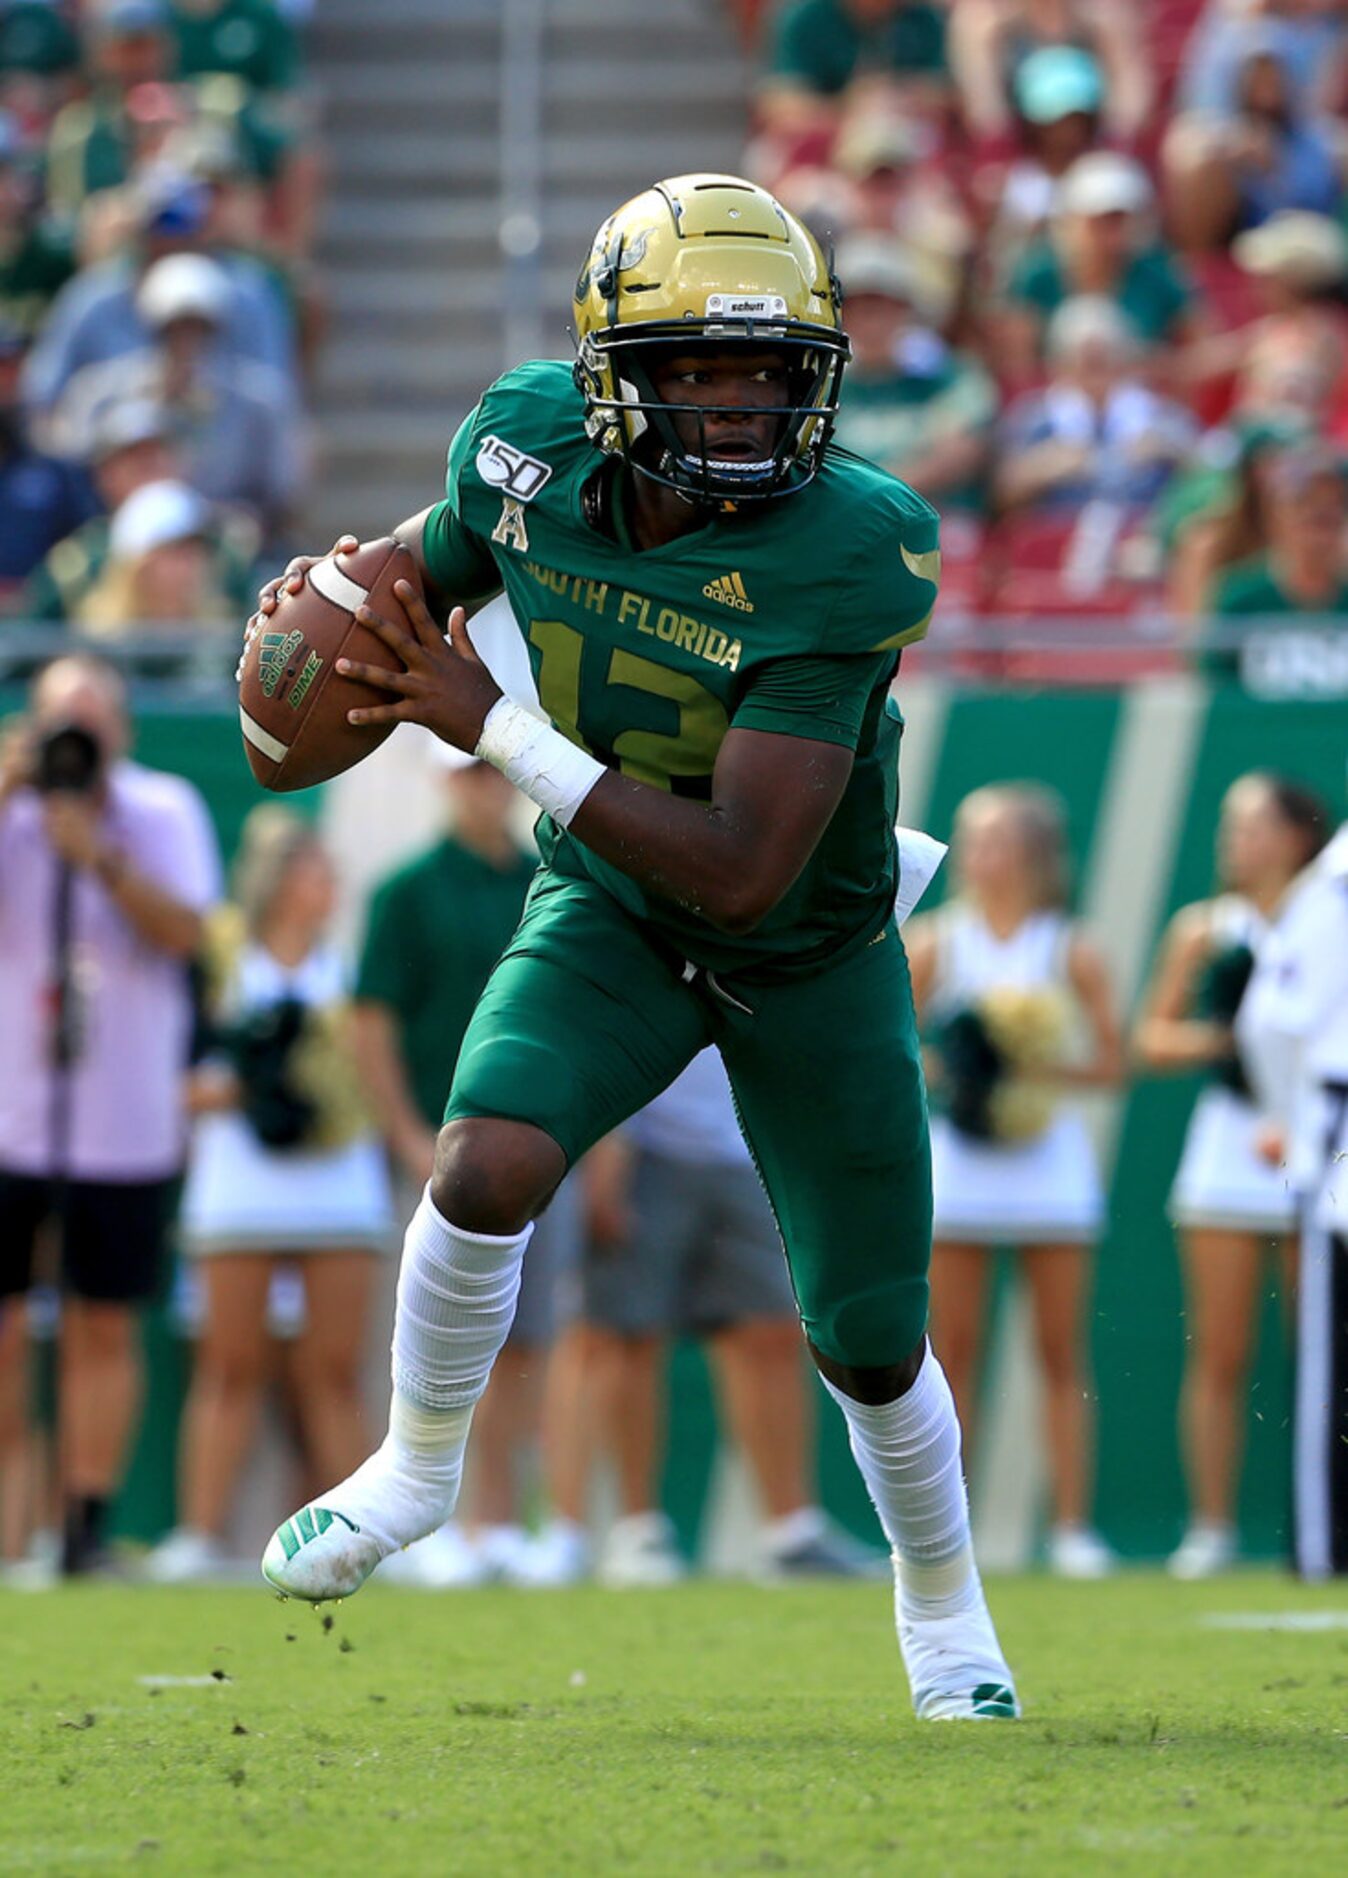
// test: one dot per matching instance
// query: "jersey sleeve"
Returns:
(889, 578)
(458, 560)
(823, 698)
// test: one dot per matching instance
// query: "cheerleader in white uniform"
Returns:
(284, 1170)
(1231, 1208)
(1012, 1163)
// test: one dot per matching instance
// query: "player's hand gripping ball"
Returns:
(293, 703)
(374, 658)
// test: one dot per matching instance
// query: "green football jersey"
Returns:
(784, 616)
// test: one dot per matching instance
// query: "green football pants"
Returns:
(588, 1017)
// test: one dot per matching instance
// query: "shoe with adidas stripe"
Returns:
(329, 1548)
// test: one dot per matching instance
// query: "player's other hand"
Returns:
(443, 684)
(269, 597)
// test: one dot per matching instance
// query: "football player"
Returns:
(713, 602)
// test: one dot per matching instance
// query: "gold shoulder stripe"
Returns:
(908, 637)
(926, 566)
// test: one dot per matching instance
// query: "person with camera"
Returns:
(285, 1171)
(106, 869)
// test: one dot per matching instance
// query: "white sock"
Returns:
(456, 1302)
(909, 1455)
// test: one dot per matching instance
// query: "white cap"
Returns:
(1090, 319)
(1306, 250)
(154, 514)
(118, 423)
(881, 264)
(183, 286)
(1104, 183)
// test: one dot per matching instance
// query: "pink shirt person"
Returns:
(145, 864)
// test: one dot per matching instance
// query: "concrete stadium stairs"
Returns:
(421, 312)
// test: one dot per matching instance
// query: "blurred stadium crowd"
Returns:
(1095, 262)
(159, 180)
(1096, 267)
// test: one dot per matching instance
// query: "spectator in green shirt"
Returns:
(248, 39)
(910, 403)
(97, 143)
(1280, 618)
(35, 260)
(37, 41)
(243, 55)
(1100, 243)
(1059, 98)
(436, 930)
(821, 49)
(1303, 570)
(1214, 513)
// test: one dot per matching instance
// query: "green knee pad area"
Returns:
(585, 1021)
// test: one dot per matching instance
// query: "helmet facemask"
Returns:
(616, 371)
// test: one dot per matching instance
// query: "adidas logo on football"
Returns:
(729, 590)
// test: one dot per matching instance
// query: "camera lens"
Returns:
(68, 759)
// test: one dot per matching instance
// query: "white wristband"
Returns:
(539, 760)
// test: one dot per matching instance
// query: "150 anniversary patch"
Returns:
(514, 472)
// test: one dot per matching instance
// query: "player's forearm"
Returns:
(696, 854)
(728, 861)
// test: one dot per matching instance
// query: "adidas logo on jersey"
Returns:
(729, 590)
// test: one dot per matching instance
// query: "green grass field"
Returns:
(713, 1728)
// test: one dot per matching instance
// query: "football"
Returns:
(292, 700)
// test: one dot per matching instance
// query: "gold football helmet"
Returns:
(714, 262)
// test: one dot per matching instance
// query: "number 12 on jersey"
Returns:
(659, 723)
